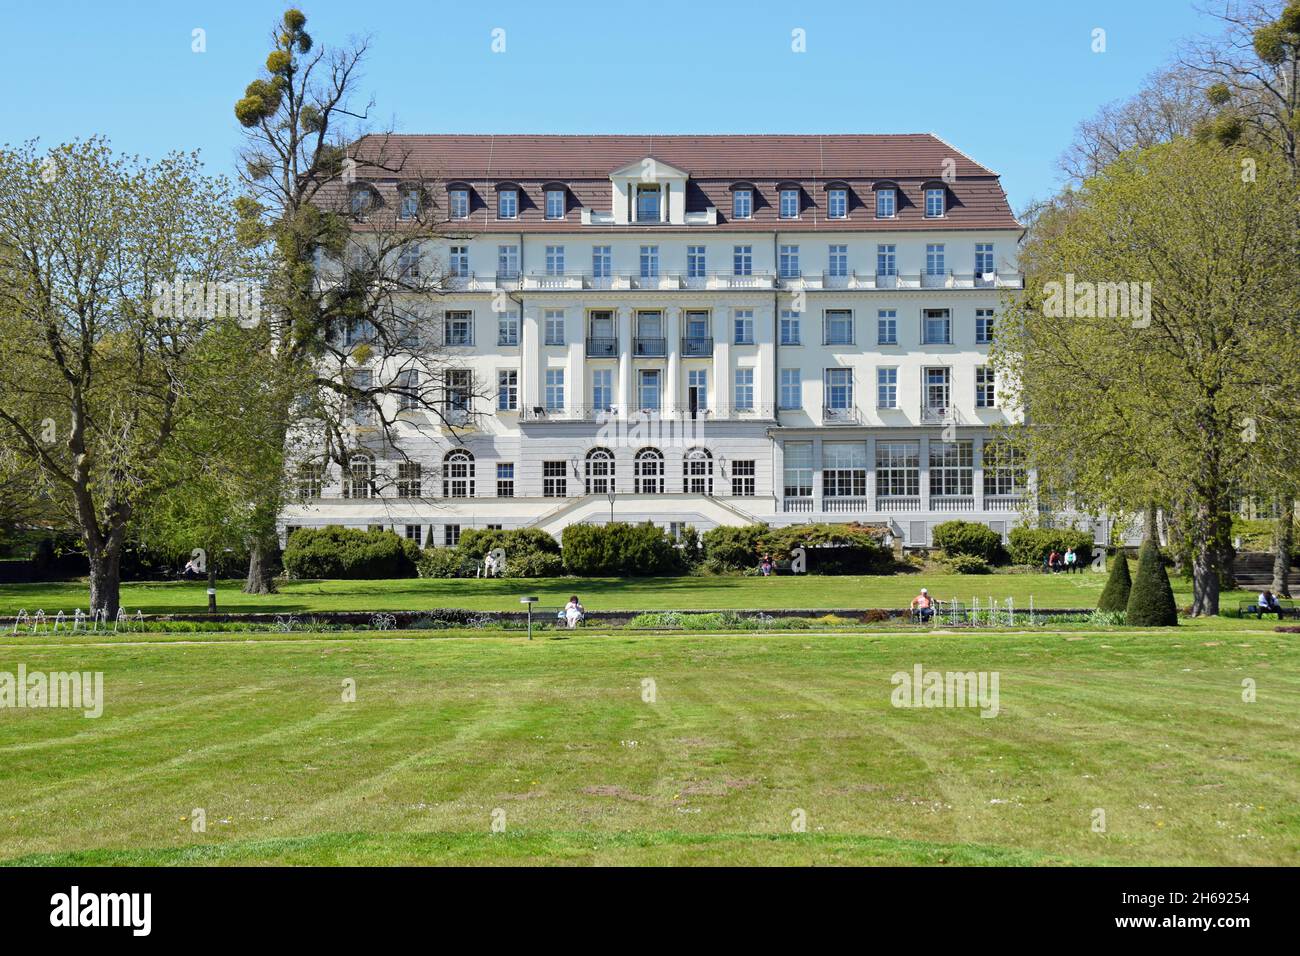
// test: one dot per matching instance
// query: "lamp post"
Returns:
(610, 495)
(530, 600)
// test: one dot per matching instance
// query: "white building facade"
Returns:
(703, 330)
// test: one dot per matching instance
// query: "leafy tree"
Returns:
(1119, 584)
(1151, 601)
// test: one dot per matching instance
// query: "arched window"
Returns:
(458, 474)
(360, 479)
(648, 472)
(697, 472)
(600, 471)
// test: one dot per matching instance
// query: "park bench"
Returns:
(1286, 607)
(555, 617)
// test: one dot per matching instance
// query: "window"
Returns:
(697, 390)
(744, 390)
(791, 388)
(415, 532)
(839, 389)
(934, 258)
(886, 203)
(886, 260)
(358, 330)
(983, 326)
(599, 474)
(459, 329)
(458, 474)
(934, 203)
(697, 472)
(555, 482)
(450, 535)
(554, 396)
(507, 328)
(798, 469)
(311, 481)
(360, 406)
(742, 260)
(1004, 469)
(837, 204)
(408, 390)
(789, 262)
(697, 326)
(459, 390)
(555, 260)
(555, 204)
(363, 200)
(952, 469)
(361, 477)
(602, 389)
(458, 203)
(937, 390)
(985, 392)
(458, 261)
(649, 262)
(508, 204)
(789, 204)
(898, 469)
(844, 469)
(743, 478)
(410, 483)
(742, 204)
(601, 262)
(409, 205)
(837, 263)
(983, 258)
(648, 472)
(648, 389)
(507, 390)
(886, 388)
(838, 327)
(408, 261)
(650, 334)
(743, 324)
(936, 327)
(696, 267)
(887, 327)
(789, 327)
(505, 479)
(507, 262)
(647, 204)
(553, 322)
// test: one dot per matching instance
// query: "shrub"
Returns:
(967, 564)
(477, 542)
(1119, 583)
(728, 548)
(970, 538)
(443, 563)
(534, 564)
(1032, 545)
(1151, 602)
(619, 549)
(832, 548)
(335, 552)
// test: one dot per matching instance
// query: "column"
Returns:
(817, 475)
(673, 333)
(576, 374)
(977, 463)
(530, 360)
(722, 384)
(624, 362)
(765, 372)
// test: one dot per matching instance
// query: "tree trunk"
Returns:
(1151, 524)
(106, 580)
(1283, 539)
(261, 573)
(1212, 554)
(1175, 528)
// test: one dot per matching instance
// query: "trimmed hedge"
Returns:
(734, 548)
(530, 553)
(619, 549)
(832, 548)
(349, 553)
(970, 538)
(477, 542)
(967, 564)
(1119, 584)
(1032, 545)
(1151, 602)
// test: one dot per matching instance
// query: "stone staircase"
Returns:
(1254, 569)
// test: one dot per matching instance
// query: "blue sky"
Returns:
(1003, 81)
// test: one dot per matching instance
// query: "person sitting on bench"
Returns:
(923, 606)
(1268, 604)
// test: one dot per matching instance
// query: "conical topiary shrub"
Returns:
(1114, 596)
(1151, 602)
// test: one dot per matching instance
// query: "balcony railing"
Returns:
(649, 347)
(936, 414)
(571, 413)
(1003, 502)
(601, 346)
(839, 504)
(952, 502)
(798, 505)
(841, 416)
(671, 280)
(898, 503)
(696, 347)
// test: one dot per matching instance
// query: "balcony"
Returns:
(952, 502)
(601, 346)
(643, 347)
(696, 347)
(797, 505)
(551, 282)
(937, 415)
(839, 505)
(1003, 502)
(571, 413)
(841, 416)
(892, 504)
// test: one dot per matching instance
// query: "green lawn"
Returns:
(745, 729)
(598, 594)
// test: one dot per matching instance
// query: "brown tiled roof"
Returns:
(714, 164)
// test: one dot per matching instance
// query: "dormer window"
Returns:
(508, 204)
(790, 203)
(837, 203)
(458, 203)
(935, 202)
(886, 202)
(363, 201)
(648, 203)
(555, 203)
(742, 204)
(409, 206)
